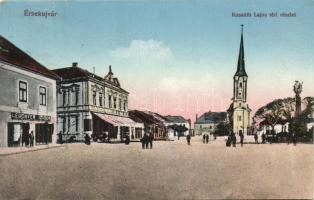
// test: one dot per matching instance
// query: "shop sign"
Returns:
(30, 117)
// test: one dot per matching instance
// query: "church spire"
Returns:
(241, 64)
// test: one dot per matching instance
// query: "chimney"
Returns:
(74, 64)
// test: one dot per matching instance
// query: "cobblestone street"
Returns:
(171, 170)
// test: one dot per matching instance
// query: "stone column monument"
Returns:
(297, 88)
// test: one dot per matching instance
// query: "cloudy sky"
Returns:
(175, 57)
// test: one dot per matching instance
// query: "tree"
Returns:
(274, 112)
(222, 129)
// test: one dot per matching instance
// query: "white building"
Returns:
(176, 123)
(89, 104)
(28, 98)
(207, 122)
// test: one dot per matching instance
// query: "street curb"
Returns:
(32, 150)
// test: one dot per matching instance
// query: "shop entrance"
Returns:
(43, 133)
(18, 134)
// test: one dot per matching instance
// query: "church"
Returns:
(239, 111)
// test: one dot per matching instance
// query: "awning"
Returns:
(119, 121)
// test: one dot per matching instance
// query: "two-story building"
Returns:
(28, 98)
(90, 104)
(207, 122)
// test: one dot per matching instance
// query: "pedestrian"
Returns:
(256, 138)
(143, 141)
(263, 138)
(151, 139)
(188, 138)
(204, 137)
(31, 139)
(229, 139)
(127, 139)
(207, 138)
(241, 138)
(87, 139)
(234, 140)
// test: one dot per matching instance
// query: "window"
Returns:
(240, 85)
(87, 125)
(42, 96)
(76, 97)
(23, 91)
(100, 99)
(69, 123)
(76, 123)
(109, 100)
(120, 104)
(239, 118)
(124, 105)
(94, 98)
(64, 124)
(114, 102)
(64, 96)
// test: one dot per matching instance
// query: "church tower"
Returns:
(240, 111)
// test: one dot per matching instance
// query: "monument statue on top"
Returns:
(297, 88)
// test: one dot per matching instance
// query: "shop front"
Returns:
(115, 128)
(22, 127)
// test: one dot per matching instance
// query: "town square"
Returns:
(156, 100)
(171, 170)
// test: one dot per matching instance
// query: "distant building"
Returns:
(265, 127)
(28, 98)
(177, 123)
(89, 104)
(153, 123)
(207, 122)
(239, 111)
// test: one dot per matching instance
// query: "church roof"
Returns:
(211, 117)
(11, 54)
(241, 63)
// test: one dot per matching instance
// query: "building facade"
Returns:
(239, 110)
(28, 98)
(89, 104)
(153, 123)
(177, 126)
(207, 122)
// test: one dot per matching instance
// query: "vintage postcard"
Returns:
(156, 99)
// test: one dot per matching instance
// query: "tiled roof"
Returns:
(75, 72)
(11, 54)
(211, 117)
(176, 119)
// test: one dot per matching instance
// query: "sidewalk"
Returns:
(5, 151)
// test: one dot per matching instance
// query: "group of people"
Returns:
(232, 139)
(146, 140)
(205, 138)
(271, 139)
(28, 139)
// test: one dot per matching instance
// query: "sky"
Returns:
(174, 57)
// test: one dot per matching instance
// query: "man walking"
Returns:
(31, 139)
(207, 138)
(188, 138)
(204, 138)
(256, 138)
(241, 138)
(234, 140)
(151, 138)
